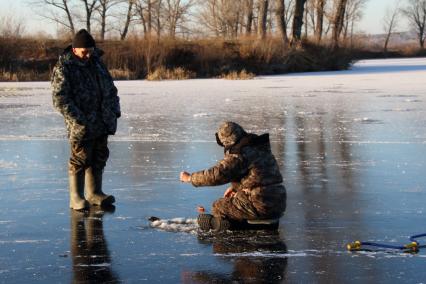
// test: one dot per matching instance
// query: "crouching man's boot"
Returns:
(76, 183)
(94, 193)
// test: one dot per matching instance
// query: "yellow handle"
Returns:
(414, 246)
(354, 246)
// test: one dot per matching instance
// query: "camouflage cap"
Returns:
(230, 133)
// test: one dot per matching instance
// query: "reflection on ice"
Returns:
(89, 250)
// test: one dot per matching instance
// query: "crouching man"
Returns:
(84, 93)
(256, 192)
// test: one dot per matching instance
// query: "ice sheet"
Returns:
(351, 146)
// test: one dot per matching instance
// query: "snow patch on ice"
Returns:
(176, 225)
(203, 114)
(7, 165)
(24, 242)
(94, 265)
(368, 120)
(303, 253)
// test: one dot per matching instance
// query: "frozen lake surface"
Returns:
(351, 146)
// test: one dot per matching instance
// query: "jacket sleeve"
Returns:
(113, 98)
(116, 101)
(61, 96)
(230, 168)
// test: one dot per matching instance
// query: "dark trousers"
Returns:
(89, 153)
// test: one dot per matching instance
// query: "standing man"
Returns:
(84, 93)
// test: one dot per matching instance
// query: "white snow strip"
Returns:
(105, 264)
(7, 165)
(24, 242)
(270, 254)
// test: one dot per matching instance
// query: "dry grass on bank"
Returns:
(162, 73)
(242, 75)
(32, 59)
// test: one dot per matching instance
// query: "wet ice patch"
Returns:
(17, 106)
(176, 225)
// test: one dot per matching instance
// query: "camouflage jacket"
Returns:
(251, 168)
(84, 93)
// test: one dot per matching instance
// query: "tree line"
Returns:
(331, 21)
(291, 20)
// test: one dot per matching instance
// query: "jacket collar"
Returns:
(248, 140)
(69, 57)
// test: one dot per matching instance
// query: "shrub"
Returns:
(162, 73)
(242, 75)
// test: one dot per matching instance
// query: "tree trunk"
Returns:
(103, 11)
(89, 11)
(297, 21)
(67, 10)
(263, 14)
(320, 20)
(249, 19)
(128, 19)
(149, 17)
(306, 21)
(338, 22)
(158, 20)
(280, 18)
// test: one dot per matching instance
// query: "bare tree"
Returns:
(90, 7)
(222, 17)
(297, 21)
(103, 10)
(390, 23)
(354, 13)
(338, 21)
(249, 5)
(149, 16)
(319, 24)
(55, 11)
(11, 26)
(263, 15)
(140, 12)
(157, 13)
(129, 16)
(281, 21)
(147, 10)
(416, 13)
(175, 12)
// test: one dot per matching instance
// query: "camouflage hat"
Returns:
(230, 133)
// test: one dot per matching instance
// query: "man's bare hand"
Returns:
(228, 193)
(185, 177)
(200, 209)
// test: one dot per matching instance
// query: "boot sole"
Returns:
(84, 206)
(105, 202)
(220, 225)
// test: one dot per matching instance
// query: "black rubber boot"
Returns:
(220, 224)
(76, 184)
(204, 221)
(94, 194)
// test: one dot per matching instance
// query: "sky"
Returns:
(371, 22)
